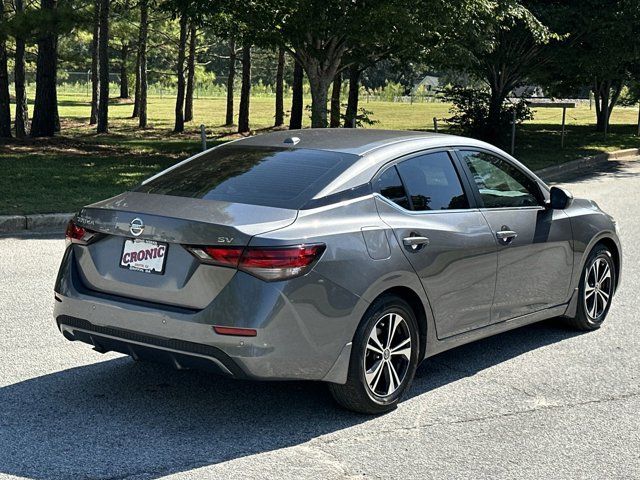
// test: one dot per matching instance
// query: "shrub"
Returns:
(470, 114)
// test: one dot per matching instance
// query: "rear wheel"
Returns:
(383, 358)
(597, 285)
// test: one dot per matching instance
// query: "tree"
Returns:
(182, 46)
(45, 108)
(245, 90)
(103, 56)
(279, 116)
(22, 111)
(336, 91)
(230, 81)
(122, 30)
(5, 111)
(500, 44)
(124, 79)
(140, 102)
(191, 73)
(320, 34)
(295, 120)
(95, 79)
(599, 48)
(354, 92)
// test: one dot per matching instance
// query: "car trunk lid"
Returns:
(173, 223)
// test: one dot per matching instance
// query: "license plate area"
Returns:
(144, 256)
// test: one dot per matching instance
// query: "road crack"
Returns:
(485, 418)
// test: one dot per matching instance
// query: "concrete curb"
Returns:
(56, 222)
(555, 172)
(39, 222)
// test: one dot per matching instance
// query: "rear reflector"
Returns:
(237, 332)
(267, 263)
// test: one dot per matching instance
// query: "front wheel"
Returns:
(383, 359)
(597, 285)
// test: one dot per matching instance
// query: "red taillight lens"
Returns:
(224, 255)
(267, 263)
(287, 257)
(279, 263)
(74, 233)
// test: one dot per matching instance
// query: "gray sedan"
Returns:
(332, 255)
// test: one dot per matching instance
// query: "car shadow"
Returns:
(119, 418)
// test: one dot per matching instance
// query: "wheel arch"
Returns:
(609, 240)
(615, 253)
(415, 302)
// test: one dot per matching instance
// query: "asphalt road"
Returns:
(538, 402)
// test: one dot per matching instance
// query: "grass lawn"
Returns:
(79, 167)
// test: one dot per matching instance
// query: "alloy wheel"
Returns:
(598, 286)
(387, 355)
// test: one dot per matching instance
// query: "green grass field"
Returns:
(79, 167)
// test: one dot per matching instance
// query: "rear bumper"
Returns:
(304, 326)
(180, 354)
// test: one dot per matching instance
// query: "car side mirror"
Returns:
(560, 198)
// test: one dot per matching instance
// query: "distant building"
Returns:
(429, 83)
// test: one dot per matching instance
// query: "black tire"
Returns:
(356, 394)
(587, 317)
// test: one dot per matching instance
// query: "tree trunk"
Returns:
(245, 91)
(5, 107)
(230, 79)
(103, 56)
(606, 94)
(320, 75)
(280, 89)
(182, 47)
(136, 91)
(191, 74)
(45, 108)
(336, 91)
(124, 80)
(295, 121)
(95, 79)
(22, 111)
(319, 95)
(142, 59)
(492, 133)
(354, 94)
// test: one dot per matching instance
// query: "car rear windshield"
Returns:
(274, 177)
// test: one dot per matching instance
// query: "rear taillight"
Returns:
(280, 263)
(77, 234)
(267, 263)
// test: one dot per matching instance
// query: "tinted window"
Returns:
(432, 182)
(500, 183)
(273, 177)
(390, 186)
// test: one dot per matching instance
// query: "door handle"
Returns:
(505, 235)
(415, 242)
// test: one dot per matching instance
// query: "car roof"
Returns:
(344, 140)
(374, 147)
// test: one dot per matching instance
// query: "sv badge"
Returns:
(225, 239)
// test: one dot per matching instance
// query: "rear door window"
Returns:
(274, 177)
(432, 182)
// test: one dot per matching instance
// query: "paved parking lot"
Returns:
(538, 402)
